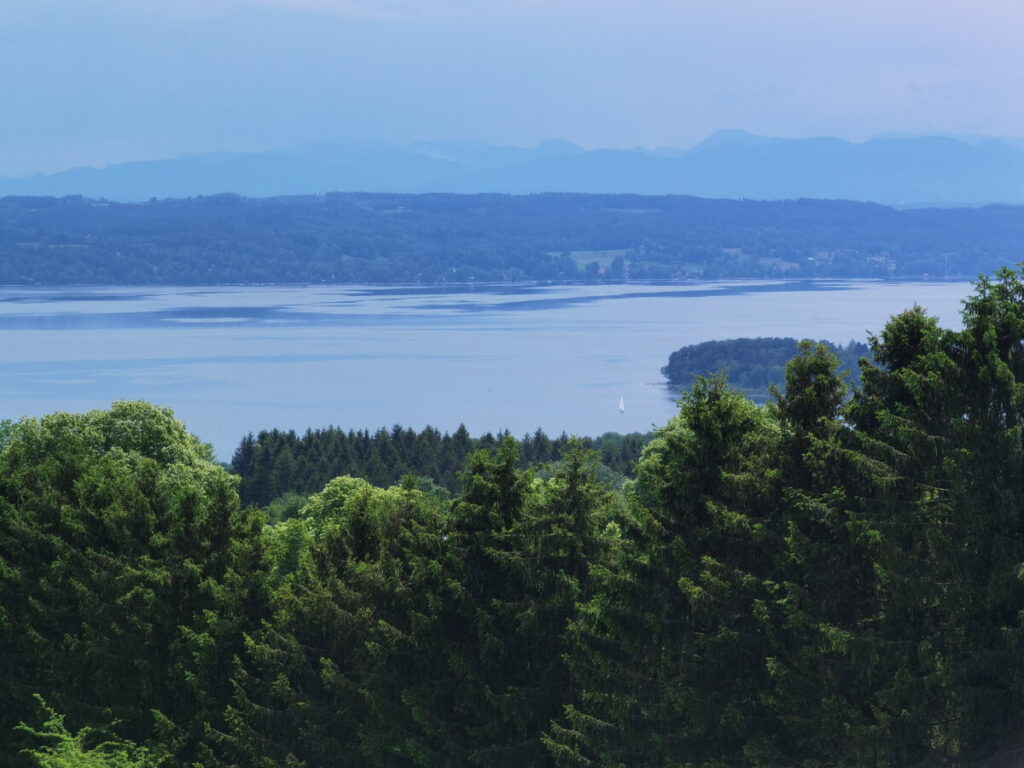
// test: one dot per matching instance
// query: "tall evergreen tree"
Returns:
(825, 588)
(671, 652)
(520, 550)
(946, 408)
(359, 578)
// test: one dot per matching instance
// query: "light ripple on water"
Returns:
(236, 359)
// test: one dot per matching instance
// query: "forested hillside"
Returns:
(820, 581)
(360, 238)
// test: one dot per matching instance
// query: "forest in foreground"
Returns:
(444, 238)
(825, 580)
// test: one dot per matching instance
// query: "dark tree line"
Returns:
(825, 580)
(274, 463)
(444, 238)
(753, 365)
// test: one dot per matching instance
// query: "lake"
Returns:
(235, 359)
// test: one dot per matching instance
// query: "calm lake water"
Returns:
(230, 360)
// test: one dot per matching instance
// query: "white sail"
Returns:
(622, 405)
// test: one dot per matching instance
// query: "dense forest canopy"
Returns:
(438, 238)
(275, 463)
(752, 365)
(825, 580)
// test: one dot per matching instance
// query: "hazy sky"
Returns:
(89, 82)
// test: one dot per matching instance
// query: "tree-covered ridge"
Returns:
(752, 365)
(826, 580)
(275, 463)
(444, 238)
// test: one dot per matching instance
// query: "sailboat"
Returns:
(622, 405)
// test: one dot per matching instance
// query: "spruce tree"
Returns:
(358, 579)
(670, 654)
(825, 589)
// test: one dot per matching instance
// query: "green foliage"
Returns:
(669, 652)
(823, 670)
(277, 468)
(945, 411)
(6, 432)
(127, 572)
(522, 550)
(357, 578)
(414, 629)
(84, 749)
(285, 507)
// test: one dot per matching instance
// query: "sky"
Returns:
(94, 82)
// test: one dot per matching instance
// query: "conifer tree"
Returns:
(671, 652)
(358, 579)
(57, 747)
(825, 588)
(474, 707)
(520, 550)
(945, 406)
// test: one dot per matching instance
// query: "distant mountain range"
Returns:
(895, 170)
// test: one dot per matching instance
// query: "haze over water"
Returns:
(230, 360)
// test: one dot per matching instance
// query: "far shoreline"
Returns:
(924, 278)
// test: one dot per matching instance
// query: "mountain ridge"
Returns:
(730, 164)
